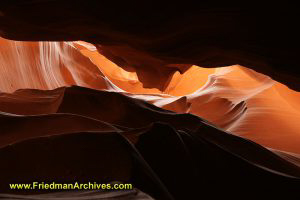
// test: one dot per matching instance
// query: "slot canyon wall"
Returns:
(207, 94)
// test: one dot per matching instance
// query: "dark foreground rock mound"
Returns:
(118, 138)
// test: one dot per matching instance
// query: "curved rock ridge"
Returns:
(107, 136)
(244, 103)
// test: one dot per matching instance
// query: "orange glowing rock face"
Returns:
(128, 81)
(235, 98)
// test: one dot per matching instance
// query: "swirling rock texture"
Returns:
(185, 102)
